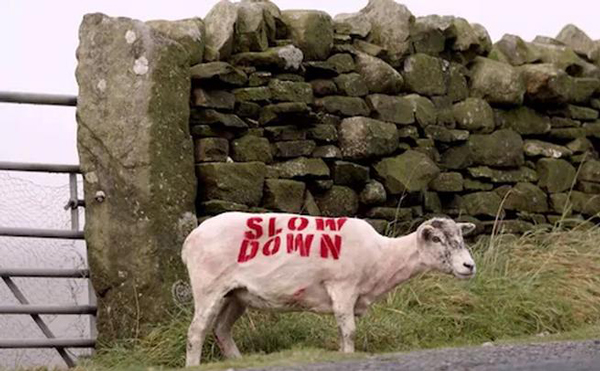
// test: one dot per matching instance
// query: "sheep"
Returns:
(287, 262)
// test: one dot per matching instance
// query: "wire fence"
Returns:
(36, 201)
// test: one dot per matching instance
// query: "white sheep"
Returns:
(288, 262)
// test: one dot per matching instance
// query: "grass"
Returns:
(545, 282)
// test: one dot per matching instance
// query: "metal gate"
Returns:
(7, 274)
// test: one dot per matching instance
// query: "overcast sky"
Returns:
(38, 39)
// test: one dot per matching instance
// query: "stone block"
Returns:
(284, 195)
(522, 174)
(350, 174)
(353, 24)
(219, 99)
(423, 109)
(251, 148)
(293, 148)
(373, 193)
(327, 151)
(526, 197)
(190, 33)
(379, 76)
(503, 148)
(337, 201)
(482, 204)
(211, 150)
(236, 182)
(363, 137)
(411, 171)
(255, 94)
(286, 132)
(458, 88)
(523, 120)
(311, 31)
(424, 74)
(324, 133)
(590, 171)
(343, 106)
(218, 73)
(496, 82)
(287, 58)
(289, 91)
(250, 28)
(295, 112)
(390, 27)
(303, 168)
(351, 84)
(513, 50)
(323, 87)
(555, 175)
(220, 26)
(398, 110)
(441, 134)
(342, 63)
(447, 182)
(535, 148)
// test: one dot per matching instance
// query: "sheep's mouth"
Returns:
(464, 275)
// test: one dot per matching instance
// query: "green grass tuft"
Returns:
(544, 282)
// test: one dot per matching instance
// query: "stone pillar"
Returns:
(136, 155)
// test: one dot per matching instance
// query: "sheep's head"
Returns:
(441, 245)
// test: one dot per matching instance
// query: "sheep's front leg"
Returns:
(343, 300)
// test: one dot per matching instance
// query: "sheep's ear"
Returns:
(427, 233)
(466, 228)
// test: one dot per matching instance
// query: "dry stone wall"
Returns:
(376, 114)
(389, 117)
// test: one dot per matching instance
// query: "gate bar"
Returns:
(38, 321)
(39, 167)
(47, 309)
(37, 98)
(46, 343)
(41, 233)
(52, 273)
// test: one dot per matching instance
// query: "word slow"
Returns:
(298, 236)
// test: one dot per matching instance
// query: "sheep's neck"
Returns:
(403, 262)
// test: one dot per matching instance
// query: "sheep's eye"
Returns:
(436, 239)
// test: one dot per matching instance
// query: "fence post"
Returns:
(74, 202)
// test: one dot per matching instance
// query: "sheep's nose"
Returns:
(469, 266)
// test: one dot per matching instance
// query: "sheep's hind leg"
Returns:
(204, 314)
(231, 312)
(343, 301)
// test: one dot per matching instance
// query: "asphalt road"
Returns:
(558, 356)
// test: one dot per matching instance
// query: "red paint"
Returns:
(254, 223)
(299, 242)
(331, 246)
(341, 222)
(244, 255)
(272, 230)
(330, 224)
(299, 293)
(292, 224)
(268, 250)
